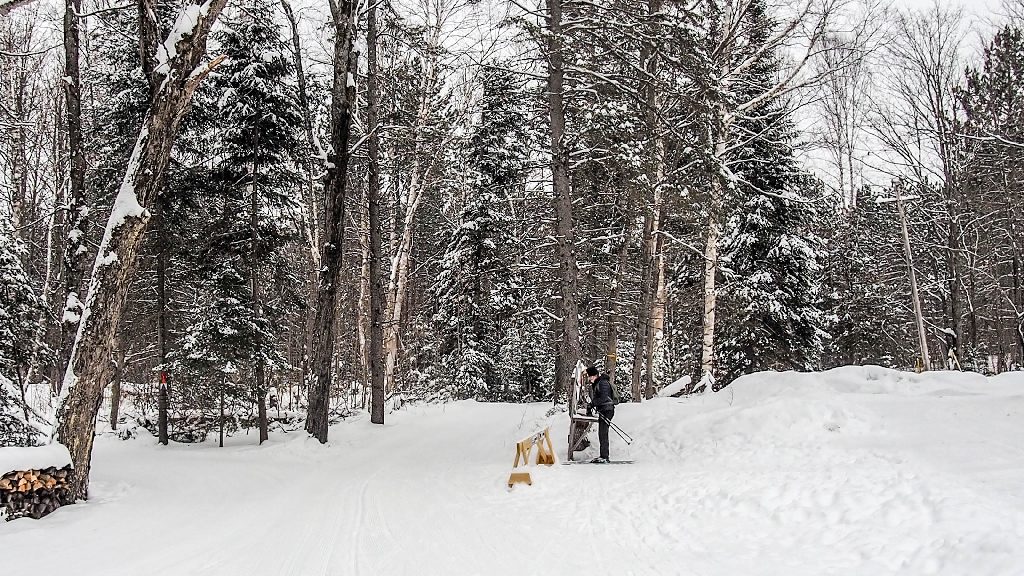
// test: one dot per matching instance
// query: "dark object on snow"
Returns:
(593, 462)
(602, 400)
(601, 393)
(602, 429)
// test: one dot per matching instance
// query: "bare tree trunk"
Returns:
(953, 275)
(343, 93)
(614, 317)
(260, 365)
(652, 215)
(164, 391)
(115, 386)
(90, 368)
(363, 312)
(398, 283)
(76, 217)
(656, 324)
(373, 208)
(309, 204)
(1018, 302)
(707, 357)
(44, 315)
(310, 201)
(643, 316)
(564, 227)
(220, 420)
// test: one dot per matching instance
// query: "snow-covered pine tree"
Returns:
(993, 116)
(254, 182)
(19, 310)
(770, 301)
(771, 295)
(867, 294)
(120, 100)
(477, 289)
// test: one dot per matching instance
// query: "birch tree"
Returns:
(726, 96)
(179, 68)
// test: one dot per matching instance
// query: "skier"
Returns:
(602, 400)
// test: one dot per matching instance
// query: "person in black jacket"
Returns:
(601, 400)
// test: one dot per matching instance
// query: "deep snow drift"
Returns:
(855, 471)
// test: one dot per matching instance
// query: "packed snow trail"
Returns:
(854, 471)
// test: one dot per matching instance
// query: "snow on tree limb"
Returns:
(184, 28)
(6, 6)
(90, 367)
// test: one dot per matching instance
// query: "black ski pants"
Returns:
(602, 428)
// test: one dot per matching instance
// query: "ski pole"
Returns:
(613, 425)
(622, 432)
(619, 431)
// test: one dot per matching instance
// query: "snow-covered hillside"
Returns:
(855, 471)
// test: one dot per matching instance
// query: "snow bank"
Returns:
(853, 471)
(33, 458)
(758, 387)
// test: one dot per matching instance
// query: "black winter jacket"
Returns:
(601, 393)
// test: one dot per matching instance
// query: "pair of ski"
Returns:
(597, 462)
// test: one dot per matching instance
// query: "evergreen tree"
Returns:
(771, 295)
(477, 289)
(867, 298)
(247, 283)
(19, 305)
(993, 117)
(19, 310)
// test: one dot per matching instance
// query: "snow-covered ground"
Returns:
(858, 471)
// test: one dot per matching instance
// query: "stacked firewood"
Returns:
(35, 493)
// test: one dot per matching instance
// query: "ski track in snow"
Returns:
(858, 471)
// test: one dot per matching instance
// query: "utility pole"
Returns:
(921, 336)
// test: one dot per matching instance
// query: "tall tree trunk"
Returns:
(363, 307)
(373, 210)
(656, 325)
(310, 202)
(423, 165)
(259, 364)
(220, 420)
(399, 282)
(714, 232)
(163, 390)
(90, 369)
(643, 316)
(615, 313)
(309, 205)
(343, 93)
(1018, 301)
(115, 386)
(19, 157)
(953, 275)
(654, 169)
(77, 211)
(564, 227)
(43, 320)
